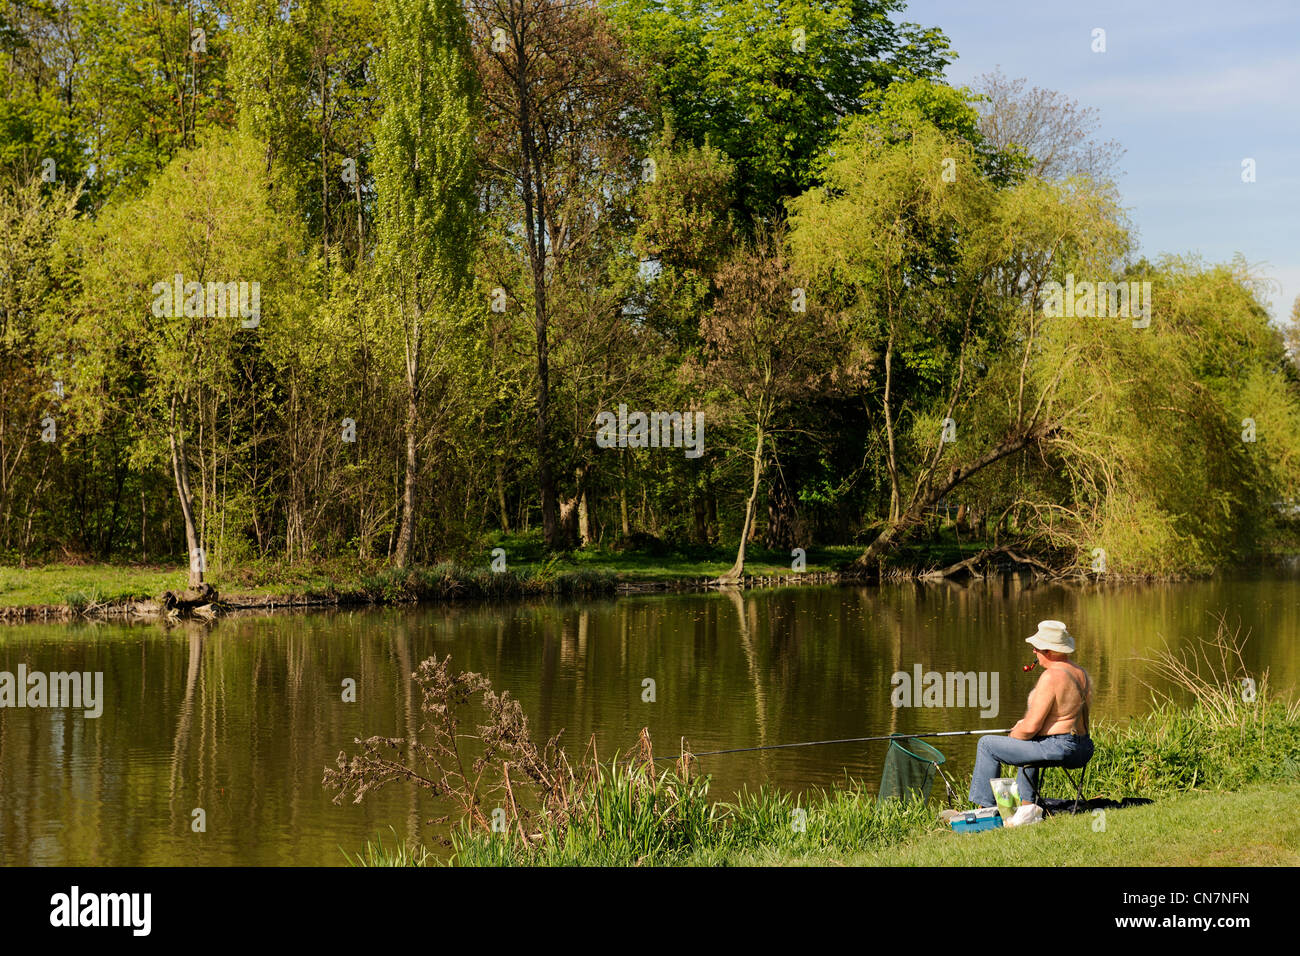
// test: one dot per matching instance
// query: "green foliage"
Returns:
(178, 371)
(633, 814)
(302, 80)
(424, 157)
(735, 76)
(1175, 749)
(684, 229)
(34, 275)
(1183, 493)
(80, 600)
(111, 92)
(453, 582)
(371, 163)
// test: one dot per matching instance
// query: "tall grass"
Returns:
(1213, 672)
(633, 817)
(629, 815)
(839, 819)
(399, 853)
(1175, 750)
(82, 601)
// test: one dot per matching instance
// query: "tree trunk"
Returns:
(586, 527)
(406, 538)
(361, 236)
(737, 569)
(1008, 446)
(535, 221)
(569, 521)
(701, 512)
(180, 471)
(711, 506)
(575, 520)
(324, 165)
(891, 460)
(551, 531)
(622, 497)
(501, 498)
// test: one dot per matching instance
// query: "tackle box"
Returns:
(973, 820)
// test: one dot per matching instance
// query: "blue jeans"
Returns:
(992, 752)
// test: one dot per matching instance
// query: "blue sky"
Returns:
(1189, 89)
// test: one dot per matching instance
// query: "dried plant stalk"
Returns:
(437, 761)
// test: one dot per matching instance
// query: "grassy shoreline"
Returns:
(1172, 755)
(63, 592)
(1255, 826)
(1189, 829)
(67, 590)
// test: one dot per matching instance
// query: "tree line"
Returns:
(290, 282)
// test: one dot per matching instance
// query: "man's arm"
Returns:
(1040, 706)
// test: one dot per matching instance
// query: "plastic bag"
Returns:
(1007, 795)
(1030, 813)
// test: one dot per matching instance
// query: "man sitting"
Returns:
(1054, 728)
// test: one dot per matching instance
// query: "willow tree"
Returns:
(1185, 438)
(424, 175)
(942, 246)
(900, 222)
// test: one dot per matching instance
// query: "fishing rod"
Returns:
(845, 740)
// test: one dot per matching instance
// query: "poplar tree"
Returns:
(425, 177)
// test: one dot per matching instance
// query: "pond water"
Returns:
(241, 718)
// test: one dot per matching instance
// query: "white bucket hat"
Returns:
(1052, 636)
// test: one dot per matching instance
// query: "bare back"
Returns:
(1071, 690)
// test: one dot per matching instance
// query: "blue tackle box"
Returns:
(987, 819)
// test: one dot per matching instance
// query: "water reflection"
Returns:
(240, 718)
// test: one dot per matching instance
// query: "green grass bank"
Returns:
(1225, 785)
(643, 563)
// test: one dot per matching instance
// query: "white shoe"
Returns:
(1029, 813)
